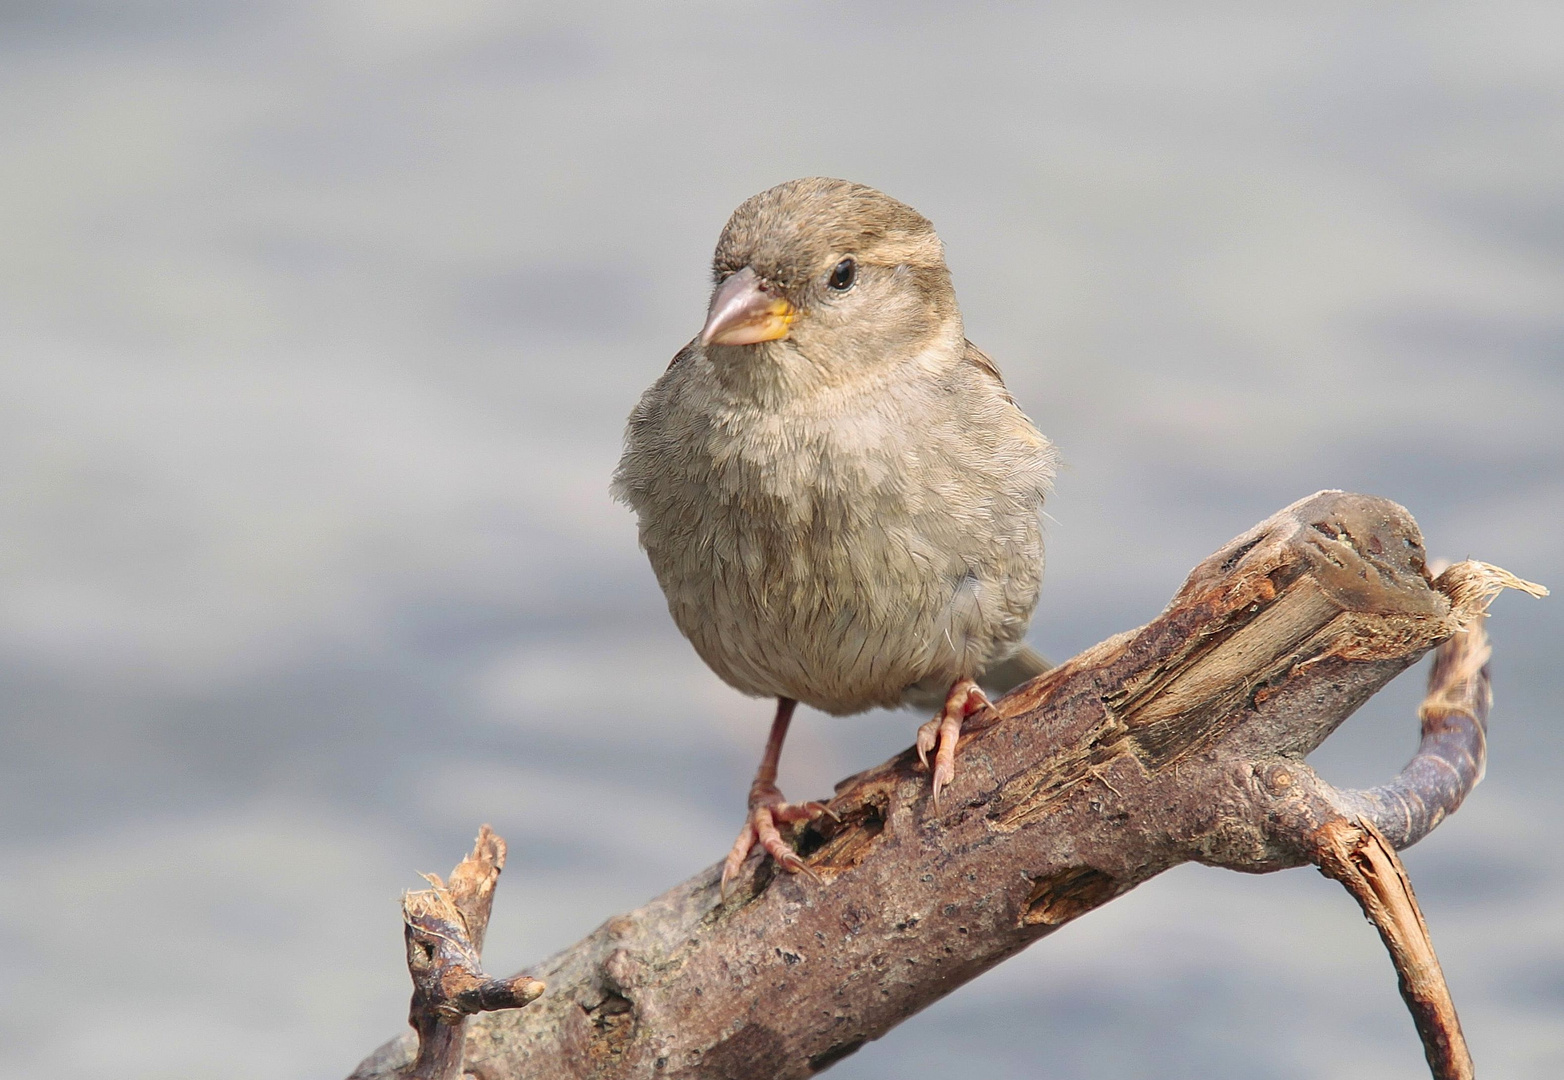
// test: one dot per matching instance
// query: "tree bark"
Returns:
(1182, 740)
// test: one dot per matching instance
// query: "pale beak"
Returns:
(744, 310)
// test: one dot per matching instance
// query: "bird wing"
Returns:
(689, 351)
(984, 363)
(1023, 428)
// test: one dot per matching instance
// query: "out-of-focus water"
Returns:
(318, 325)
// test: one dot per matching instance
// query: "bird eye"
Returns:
(841, 278)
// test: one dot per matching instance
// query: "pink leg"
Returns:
(942, 733)
(767, 808)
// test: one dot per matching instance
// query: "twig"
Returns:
(1358, 855)
(444, 927)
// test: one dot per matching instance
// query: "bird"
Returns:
(838, 495)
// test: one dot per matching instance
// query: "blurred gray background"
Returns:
(318, 326)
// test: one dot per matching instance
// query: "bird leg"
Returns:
(942, 733)
(767, 808)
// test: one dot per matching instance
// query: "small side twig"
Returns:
(444, 927)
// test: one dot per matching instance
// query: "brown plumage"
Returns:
(837, 493)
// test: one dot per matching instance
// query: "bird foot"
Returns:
(767, 810)
(942, 733)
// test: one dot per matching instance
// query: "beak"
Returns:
(743, 311)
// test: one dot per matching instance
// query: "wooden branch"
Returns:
(1183, 740)
(444, 927)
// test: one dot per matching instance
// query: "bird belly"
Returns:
(839, 609)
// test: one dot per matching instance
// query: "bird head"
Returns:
(837, 272)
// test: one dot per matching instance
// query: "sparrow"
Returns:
(840, 499)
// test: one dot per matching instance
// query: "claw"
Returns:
(943, 733)
(767, 808)
(760, 829)
(928, 738)
(807, 870)
(736, 856)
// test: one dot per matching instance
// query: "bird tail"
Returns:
(1025, 663)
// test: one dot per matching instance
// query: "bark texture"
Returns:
(1182, 740)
